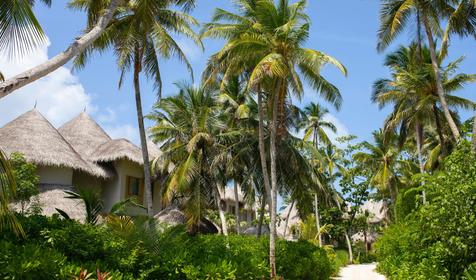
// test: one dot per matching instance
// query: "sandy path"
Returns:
(360, 272)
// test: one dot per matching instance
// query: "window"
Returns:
(135, 188)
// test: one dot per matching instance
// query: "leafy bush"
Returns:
(437, 240)
(59, 249)
(26, 179)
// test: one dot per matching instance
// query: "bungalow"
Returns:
(81, 154)
(78, 154)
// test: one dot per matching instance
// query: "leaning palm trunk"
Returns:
(143, 139)
(419, 141)
(237, 207)
(318, 219)
(221, 212)
(274, 183)
(349, 248)
(439, 84)
(61, 59)
(287, 219)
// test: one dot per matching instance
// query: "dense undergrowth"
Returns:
(60, 249)
(436, 240)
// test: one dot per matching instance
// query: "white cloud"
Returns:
(59, 96)
(342, 130)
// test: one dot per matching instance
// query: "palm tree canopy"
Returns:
(412, 88)
(267, 38)
(315, 125)
(20, 31)
(141, 32)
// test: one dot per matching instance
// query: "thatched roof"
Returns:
(173, 216)
(123, 149)
(52, 197)
(84, 134)
(117, 149)
(80, 144)
(377, 211)
(254, 230)
(35, 137)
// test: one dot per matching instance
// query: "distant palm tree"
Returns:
(382, 159)
(190, 125)
(267, 40)
(7, 193)
(314, 126)
(140, 34)
(395, 16)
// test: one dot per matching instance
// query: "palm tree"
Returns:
(314, 126)
(140, 34)
(234, 99)
(100, 14)
(190, 126)
(20, 31)
(413, 94)
(266, 39)
(7, 193)
(394, 17)
(382, 159)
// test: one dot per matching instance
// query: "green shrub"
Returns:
(26, 178)
(59, 249)
(29, 261)
(437, 240)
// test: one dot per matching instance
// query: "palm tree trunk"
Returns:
(316, 199)
(221, 212)
(419, 141)
(287, 219)
(473, 140)
(61, 59)
(269, 190)
(318, 219)
(439, 130)
(262, 149)
(143, 138)
(261, 216)
(274, 186)
(349, 248)
(439, 84)
(237, 207)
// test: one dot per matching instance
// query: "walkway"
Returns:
(360, 272)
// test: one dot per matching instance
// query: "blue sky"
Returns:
(345, 29)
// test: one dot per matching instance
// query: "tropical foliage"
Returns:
(238, 127)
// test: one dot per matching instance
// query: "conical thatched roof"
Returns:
(34, 136)
(84, 134)
(118, 149)
(123, 149)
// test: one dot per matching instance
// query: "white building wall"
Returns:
(55, 175)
